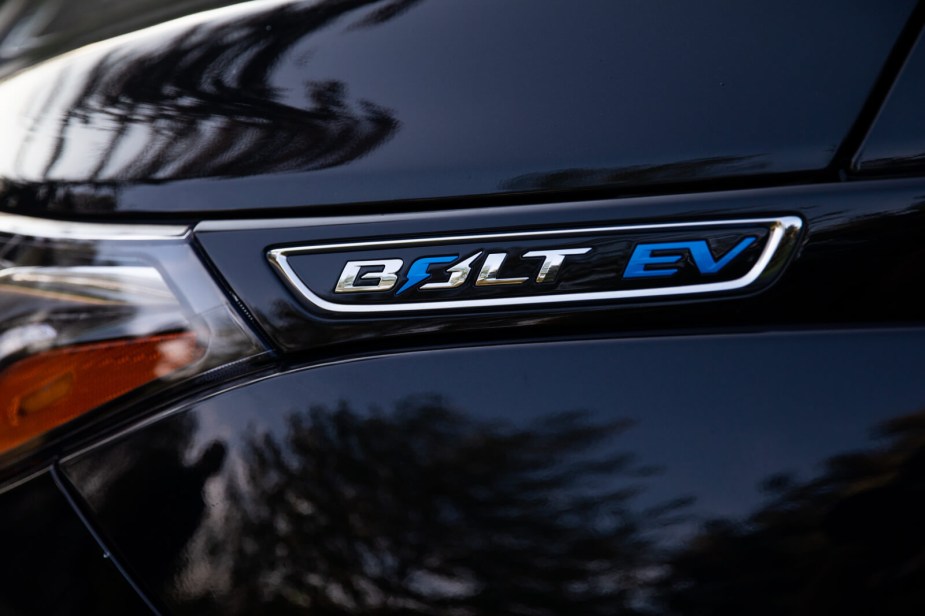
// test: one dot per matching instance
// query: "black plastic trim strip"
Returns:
(844, 158)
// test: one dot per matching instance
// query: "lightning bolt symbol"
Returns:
(418, 271)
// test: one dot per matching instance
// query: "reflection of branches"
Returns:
(849, 542)
(387, 12)
(204, 103)
(419, 510)
(425, 511)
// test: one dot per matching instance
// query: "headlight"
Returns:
(89, 313)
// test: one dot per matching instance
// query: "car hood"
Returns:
(269, 106)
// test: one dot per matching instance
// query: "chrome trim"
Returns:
(552, 261)
(387, 277)
(783, 234)
(15, 224)
(458, 275)
(488, 275)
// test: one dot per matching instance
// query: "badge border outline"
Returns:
(783, 233)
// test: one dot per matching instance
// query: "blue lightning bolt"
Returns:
(418, 270)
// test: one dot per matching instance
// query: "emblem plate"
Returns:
(527, 268)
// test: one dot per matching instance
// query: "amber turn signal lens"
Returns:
(43, 391)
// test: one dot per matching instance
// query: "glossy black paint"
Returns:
(860, 256)
(35, 30)
(295, 105)
(49, 563)
(747, 474)
(707, 474)
(896, 142)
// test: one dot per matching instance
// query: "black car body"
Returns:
(445, 307)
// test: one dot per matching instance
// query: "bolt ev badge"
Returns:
(540, 267)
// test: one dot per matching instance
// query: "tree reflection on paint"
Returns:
(422, 511)
(850, 541)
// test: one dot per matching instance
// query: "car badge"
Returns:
(626, 263)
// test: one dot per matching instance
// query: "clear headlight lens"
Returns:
(89, 313)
